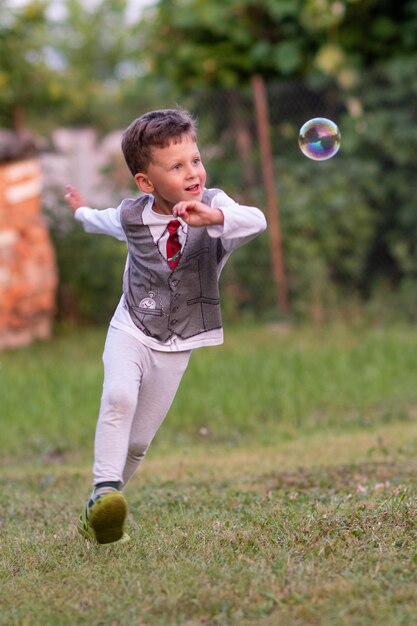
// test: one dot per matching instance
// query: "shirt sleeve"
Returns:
(102, 222)
(241, 223)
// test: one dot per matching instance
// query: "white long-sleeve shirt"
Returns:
(241, 224)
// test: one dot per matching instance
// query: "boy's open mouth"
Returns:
(195, 187)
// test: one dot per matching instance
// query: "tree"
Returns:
(27, 82)
(224, 42)
(75, 69)
(93, 48)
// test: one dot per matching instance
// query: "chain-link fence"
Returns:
(348, 225)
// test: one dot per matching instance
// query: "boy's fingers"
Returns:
(181, 206)
(180, 209)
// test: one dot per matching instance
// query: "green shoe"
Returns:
(103, 522)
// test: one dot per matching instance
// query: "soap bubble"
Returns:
(319, 139)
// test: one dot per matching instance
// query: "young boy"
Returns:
(179, 236)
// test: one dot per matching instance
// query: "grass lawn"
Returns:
(281, 490)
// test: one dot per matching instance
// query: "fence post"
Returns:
(274, 228)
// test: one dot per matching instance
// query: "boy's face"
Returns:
(175, 173)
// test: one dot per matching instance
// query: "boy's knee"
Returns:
(119, 401)
(138, 449)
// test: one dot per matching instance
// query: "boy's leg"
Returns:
(159, 385)
(124, 360)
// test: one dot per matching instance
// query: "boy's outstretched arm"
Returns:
(233, 223)
(104, 222)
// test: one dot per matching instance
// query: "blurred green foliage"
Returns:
(23, 34)
(224, 42)
(387, 139)
(90, 276)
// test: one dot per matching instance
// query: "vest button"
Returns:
(174, 321)
(174, 282)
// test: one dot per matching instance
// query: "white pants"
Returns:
(138, 390)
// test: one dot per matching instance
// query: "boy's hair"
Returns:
(154, 129)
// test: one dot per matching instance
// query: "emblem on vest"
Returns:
(148, 302)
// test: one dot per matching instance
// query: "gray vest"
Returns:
(164, 302)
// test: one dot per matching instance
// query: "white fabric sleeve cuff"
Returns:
(239, 221)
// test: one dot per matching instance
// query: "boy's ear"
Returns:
(143, 183)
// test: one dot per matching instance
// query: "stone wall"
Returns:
(28, 275)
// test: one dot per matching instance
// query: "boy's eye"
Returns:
(197, 160)
(177, 166)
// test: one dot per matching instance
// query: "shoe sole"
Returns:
(90, 536)
(107, 517)
(84, 532)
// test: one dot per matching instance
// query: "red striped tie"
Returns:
(173, 244)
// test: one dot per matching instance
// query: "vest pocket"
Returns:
(203, 300)
(144, 311)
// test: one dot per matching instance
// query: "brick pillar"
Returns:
(28, 275)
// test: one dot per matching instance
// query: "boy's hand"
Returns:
(196, 213)
(74, 198)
